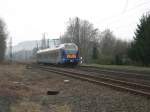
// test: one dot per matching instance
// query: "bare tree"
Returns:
(107, 42)
(3, 36)
(82, 33)
(93, 44)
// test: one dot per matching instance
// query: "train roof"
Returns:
(61, 46)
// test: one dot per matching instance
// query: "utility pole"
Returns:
(37, 46)
(60, 40)
(10, 49)
(48, 43)
(43, 42)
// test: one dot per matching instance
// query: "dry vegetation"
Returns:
(24, 89)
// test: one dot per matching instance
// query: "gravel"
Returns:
(29, 88)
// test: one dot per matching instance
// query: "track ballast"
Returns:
(132, 87)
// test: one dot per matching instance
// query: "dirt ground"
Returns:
(24, 89)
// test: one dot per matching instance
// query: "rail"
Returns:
(135, 88)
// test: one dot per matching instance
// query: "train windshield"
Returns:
(71, 47)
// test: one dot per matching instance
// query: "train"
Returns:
(63, 54)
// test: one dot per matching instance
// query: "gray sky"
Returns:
(28, 19)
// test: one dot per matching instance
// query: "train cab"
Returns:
(70, 53)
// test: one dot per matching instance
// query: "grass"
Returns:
(63, 108)
(26, 107)
(120, 67)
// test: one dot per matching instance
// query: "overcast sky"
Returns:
(28, 19)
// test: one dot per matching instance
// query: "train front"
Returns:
(70, 54)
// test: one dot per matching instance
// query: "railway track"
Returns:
(135, 88)
(117, 71)
(136, 77)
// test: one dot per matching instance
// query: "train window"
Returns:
(71, 47)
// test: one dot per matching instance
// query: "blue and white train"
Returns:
(66, 53)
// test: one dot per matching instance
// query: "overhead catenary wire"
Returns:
(115, 18)
(125, 7)
(117, 22)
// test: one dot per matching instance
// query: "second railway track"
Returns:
(123, 73)
(135, 88)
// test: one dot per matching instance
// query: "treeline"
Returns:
(139, 51)
(103, 47)
(3, 36)
(95, 46)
